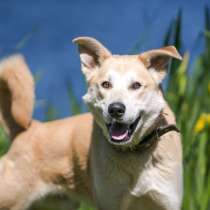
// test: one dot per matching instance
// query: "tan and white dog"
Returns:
(126, 155)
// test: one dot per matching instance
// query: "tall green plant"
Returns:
(189, 94)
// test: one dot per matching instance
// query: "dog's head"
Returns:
(124, 90)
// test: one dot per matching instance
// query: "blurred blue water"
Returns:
(43, 30)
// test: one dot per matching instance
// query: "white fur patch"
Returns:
(157, 75)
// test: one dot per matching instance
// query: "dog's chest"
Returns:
(128, 181)
(114, 180)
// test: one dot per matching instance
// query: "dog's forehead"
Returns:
(124, 65)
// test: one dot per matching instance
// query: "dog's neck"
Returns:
(154, 136)
(165, 122)
(166, 117)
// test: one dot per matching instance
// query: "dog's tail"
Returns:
(16, 95)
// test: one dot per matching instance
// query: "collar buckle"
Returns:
(157, 133)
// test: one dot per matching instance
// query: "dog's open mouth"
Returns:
(121, 132)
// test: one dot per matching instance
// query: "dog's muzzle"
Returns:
(121, 132)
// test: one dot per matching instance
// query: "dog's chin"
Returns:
(122, 133)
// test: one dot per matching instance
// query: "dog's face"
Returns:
(123, 91)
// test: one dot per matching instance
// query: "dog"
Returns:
(124, 155)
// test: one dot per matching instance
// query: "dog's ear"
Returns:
(92, 54)
(157, 61)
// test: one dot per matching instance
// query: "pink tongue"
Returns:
(118, 131)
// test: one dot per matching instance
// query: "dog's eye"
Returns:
(135, 86)
(106, 84)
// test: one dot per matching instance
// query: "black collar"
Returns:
(155, 135)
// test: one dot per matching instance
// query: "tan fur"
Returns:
(16, 95)
(73, 155)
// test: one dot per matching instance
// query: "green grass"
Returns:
(189, 96)
(4, 142)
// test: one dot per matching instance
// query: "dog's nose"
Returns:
(116, 109)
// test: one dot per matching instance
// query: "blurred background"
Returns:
(42, 31)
